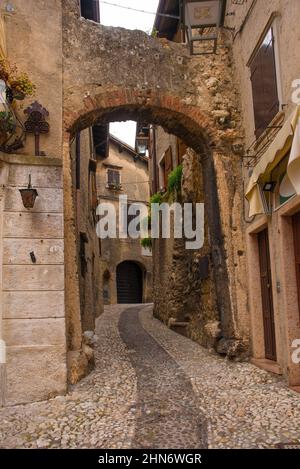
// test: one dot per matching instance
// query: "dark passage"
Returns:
(167, 414)
(129, 283)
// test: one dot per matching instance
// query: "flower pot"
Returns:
(19, 95)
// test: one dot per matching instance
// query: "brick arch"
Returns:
(188, 122)
(110, 72)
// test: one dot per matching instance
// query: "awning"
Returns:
(287, 138)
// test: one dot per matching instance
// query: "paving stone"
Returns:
(152, 388)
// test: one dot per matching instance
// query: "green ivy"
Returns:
(146, 243)
(174, 180)
(156, 198)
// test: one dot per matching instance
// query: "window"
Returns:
(165, 168)
(264, 84)
(113, 178)
(90, 10)
(181, 150)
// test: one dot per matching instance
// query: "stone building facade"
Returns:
(124, 173)
(87, 74)
(265, 50)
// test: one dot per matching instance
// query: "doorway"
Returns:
(267, 295)
(296, 230)
(129, 283)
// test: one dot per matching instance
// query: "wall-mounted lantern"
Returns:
(269, 186)
(29, 195)
(142, 138)
(142, 144)
(202, 20)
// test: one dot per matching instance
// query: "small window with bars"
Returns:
(113, 179)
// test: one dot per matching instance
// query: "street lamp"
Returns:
(28, 195)
(202, 20)
(142, 144)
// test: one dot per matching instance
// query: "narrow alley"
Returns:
(153, 388)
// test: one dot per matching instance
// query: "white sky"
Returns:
(114, 16)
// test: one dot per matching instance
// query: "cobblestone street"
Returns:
(152, 388)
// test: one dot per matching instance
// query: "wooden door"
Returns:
(296, 228)
(168, 165)
(129, 283)
(267, 295)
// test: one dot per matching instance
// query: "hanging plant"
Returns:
(7, 126)
(146, 243)
(22, 86)
(19, 84)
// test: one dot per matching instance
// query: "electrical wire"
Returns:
(166, 15)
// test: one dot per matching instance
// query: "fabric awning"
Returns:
(287, 138)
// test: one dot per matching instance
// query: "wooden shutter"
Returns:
(181, 150)
(113, 177)
(90, 10)
(109, 176)
(264, 84)
(168, 164)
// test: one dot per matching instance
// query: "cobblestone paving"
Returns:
(167, 413)
(245, 407)
(154, 388)
(98, 413)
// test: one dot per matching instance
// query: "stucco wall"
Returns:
(34, 43)
(287, 37)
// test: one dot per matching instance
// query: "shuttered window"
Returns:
(113, 177)
(181, 150)
(168, 164)
(90, 10)
(264, 84)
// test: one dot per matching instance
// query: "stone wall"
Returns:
(184, 289)
(32, 290)
(129, 75)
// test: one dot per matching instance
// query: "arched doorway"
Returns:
(161, 85)
(129, 283)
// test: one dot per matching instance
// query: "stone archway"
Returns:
(129, 75)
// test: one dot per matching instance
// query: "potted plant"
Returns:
(7, 125)
(21, 86)
(18, 84)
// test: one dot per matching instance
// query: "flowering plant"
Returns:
(19, 83)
